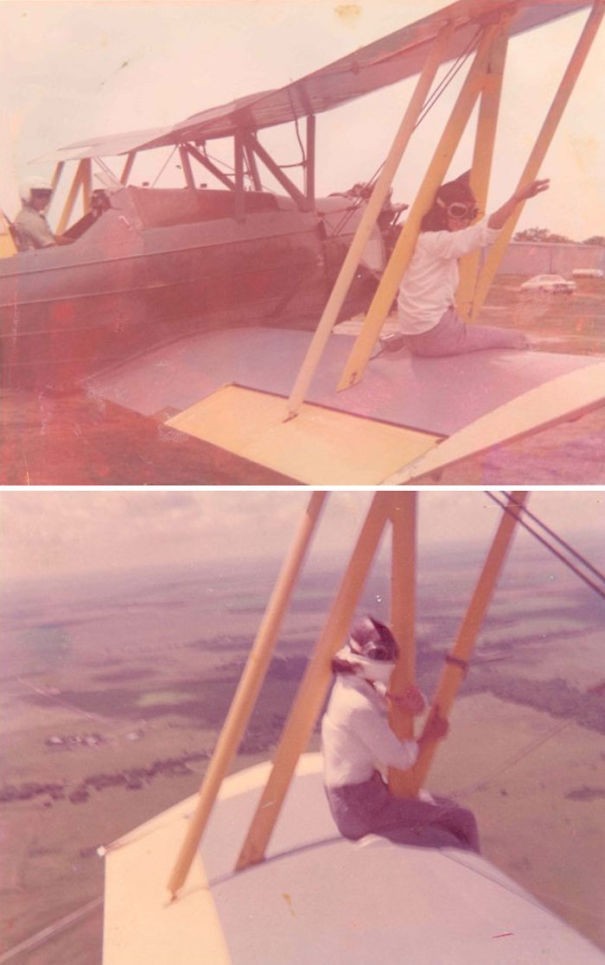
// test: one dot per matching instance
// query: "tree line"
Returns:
(551, 237)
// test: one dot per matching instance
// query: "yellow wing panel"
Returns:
(141, 923)
(566, 397)
(320, 447)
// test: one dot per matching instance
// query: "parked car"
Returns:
(587, 273)
(548, 283)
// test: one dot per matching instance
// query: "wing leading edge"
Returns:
(384, 62)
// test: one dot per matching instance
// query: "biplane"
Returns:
(216, 311)
(193, 885)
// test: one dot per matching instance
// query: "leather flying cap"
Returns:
(372, 639)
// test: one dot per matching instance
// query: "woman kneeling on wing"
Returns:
(426, 303)
(359, 745)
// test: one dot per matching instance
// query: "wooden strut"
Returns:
(128, 165)
(403, 611)
(238, 164)
(297, 196)
(483, 154)
(309, 169)
(82, 179)
(539, 150)
(456, 662)
(209, 166)
(57, 175)
(402, 253)
(186, 166)
(366, 224)
(247, 691)
(252, 166)
(8, 247)
(400, 509)
(314, 685)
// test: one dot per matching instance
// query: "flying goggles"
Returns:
(373, 640)
(461, 210)
(374, 651)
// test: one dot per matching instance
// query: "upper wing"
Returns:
(392, 58)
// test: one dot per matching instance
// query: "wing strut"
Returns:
(402, 253)
(82, 181)
(399, 508)
(540, 148)
(243, 702)
(404, 248)
(408, 783)
(368, 220)
(485, 139)
(403, 604)
(315, 684)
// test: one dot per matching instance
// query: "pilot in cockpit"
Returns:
(30, 227)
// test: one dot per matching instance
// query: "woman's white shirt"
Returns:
(356, 737)
(429, 285)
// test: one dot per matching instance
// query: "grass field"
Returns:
(567, 454)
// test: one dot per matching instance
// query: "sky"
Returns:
(46, 532)
(79, 68)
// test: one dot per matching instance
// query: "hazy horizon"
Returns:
(44, 533)
(466, 556)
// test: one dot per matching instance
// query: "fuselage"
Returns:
(157, 264)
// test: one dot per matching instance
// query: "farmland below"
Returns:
(113, 694)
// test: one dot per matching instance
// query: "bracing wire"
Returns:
(220, 162)
(430, 103)
(164, 166)
(448, 77)
(559, 539)
(549, 541)
(598, 586)
(297, 129)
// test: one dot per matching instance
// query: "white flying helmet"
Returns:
(371, 650)
(34, 183)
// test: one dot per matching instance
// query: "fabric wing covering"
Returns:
(393, 58)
